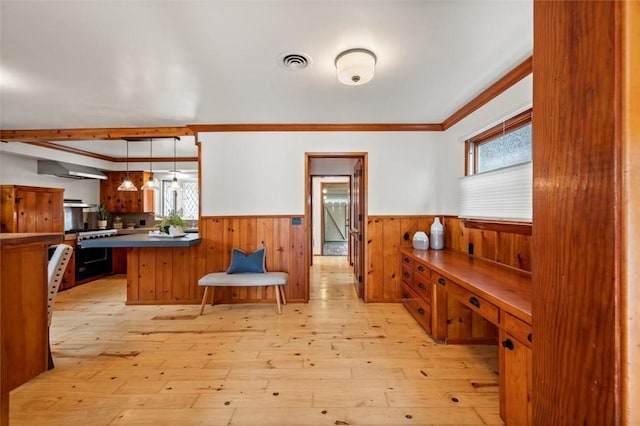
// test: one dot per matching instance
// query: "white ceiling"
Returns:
(88, 63)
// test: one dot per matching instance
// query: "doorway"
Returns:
(343, 221)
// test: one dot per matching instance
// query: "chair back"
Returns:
(57, 265)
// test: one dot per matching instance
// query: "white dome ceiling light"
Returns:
(355, 66)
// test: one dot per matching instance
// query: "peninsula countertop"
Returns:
(142, 240)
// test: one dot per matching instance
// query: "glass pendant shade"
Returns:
(174, 186)
(127, 185)
(151, 183)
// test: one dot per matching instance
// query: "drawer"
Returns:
(423, 270)
(417, 307)
(422, 286)
(439, 280)
(487, 310)
(407, 274)
(517, 328)
(406, 260)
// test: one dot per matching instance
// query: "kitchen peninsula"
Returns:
(159, 270)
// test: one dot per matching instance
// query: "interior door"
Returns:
(357, 227)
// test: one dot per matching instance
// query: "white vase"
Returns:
(420, 241)
(437, 235)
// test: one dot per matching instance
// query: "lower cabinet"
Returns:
(515, 359)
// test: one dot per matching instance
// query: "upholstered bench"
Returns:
(223, 279)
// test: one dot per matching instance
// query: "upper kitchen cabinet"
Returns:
(126, 201)
(31, 209)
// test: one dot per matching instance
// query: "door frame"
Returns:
(308, 230)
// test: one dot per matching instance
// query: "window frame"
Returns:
(470, 154)
(471, 145)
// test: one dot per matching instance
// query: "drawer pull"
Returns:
(441, 281)
(474, 301)
(508, 344)
(405, 259)
(421, 268)
(422, 286)
(530, 337)
(405, 296)
(406, 275)
(421, 311)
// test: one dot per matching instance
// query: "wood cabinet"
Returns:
(470, 300)
(126, 201)
(515, 371)
(119, 258)
(31, 209)
(23, 310)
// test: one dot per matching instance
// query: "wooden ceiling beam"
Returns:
(153, 160)
(93, 134)
(69, 149)
(318, 127)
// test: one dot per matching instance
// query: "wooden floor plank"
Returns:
(332, 361)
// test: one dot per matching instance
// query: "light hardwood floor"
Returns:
(334, 361)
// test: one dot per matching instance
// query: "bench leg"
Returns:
(213, 295)
(277, 291)
(284, 299)
(204, 298)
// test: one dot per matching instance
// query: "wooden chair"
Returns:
(57, 265)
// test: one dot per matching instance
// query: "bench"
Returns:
(222, 279)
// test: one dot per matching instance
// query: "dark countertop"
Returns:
(142, 240)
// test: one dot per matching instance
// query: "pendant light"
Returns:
(174, 186)
(151, 183)
(126, 184)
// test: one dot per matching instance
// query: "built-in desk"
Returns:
(461, 299)
(23, 310)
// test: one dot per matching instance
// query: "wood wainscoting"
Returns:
(283, 239)
(386, 234)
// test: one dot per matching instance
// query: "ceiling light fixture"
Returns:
(151, 183)
(126, 184)
(355, 66)
(174, 186)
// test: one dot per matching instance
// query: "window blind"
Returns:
(503, 194)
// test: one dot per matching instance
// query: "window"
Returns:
(184, 201)
(498, 184)
(503, 145)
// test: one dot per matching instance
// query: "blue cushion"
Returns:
(242, 262)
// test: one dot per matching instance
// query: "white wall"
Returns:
(16, 170)
(516, 99)
(317, 209)
(263, 173)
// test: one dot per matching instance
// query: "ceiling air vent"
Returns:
(294, 61)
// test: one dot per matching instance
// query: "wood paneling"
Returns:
(630, 201)
(285, 252)
(576, 213)
(386, 234)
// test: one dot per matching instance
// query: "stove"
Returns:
(91, 235)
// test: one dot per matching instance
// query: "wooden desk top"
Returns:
(13, 239)
(505, 287)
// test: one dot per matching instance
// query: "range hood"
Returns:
(68, 170)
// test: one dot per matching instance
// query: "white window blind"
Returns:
(502, 194)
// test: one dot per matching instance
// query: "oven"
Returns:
(93, 262)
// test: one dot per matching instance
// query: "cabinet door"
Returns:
(25, 208)
(515, 380)
(125, 201)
